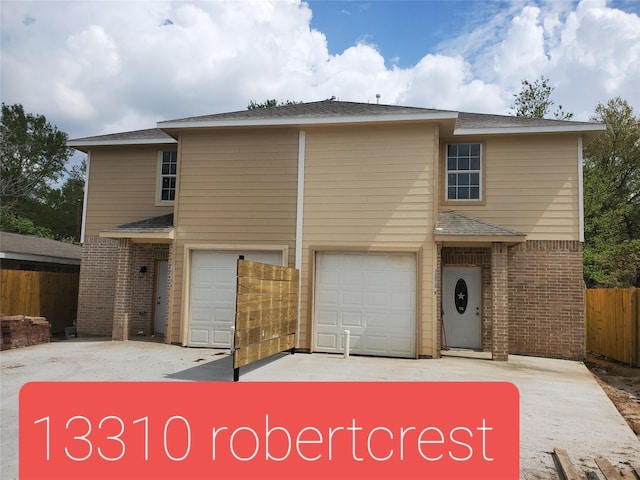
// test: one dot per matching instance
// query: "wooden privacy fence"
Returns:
(53, 295)
(613, 323)
(266, 312)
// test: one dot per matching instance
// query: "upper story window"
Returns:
(168, 169)
(464, 172)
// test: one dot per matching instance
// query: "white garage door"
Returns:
(373, 295)
(212, 296)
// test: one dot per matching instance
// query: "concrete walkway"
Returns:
(561, 404)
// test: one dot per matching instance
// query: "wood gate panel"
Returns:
(266, 312)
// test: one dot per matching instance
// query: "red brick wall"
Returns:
(97, 286)
(546, 305)
(98, 282)
(23, 331)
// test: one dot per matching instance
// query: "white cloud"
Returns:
(96, 67)
(521, 53)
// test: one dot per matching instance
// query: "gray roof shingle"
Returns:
(162, 223)
(483, 120)
(454, 223)
(150, 135)
(324, 108)
(13, 246)
(329, 110)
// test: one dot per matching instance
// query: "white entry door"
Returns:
(161, 297)
(373, 295)
(212, 294)
(461, 295)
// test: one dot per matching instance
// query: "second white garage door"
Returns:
(212, 298)
(373, 295)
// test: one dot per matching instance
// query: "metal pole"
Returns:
(347, 341)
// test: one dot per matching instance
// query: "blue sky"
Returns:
(97, 67)
(405, 30)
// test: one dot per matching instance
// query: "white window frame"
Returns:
(161, 176)
(457, 172)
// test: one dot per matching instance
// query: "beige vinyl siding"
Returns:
(122, 186)
(370, 188)
(531, 186)
(234, 188)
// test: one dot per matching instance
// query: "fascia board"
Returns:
(39, 258)
(108, 143)
(525, 130)
(306, 121)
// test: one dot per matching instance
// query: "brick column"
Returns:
(500, 300)
(124, 287)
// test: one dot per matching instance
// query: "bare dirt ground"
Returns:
(622, 385)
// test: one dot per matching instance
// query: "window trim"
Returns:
(158, 200)
(444, 200)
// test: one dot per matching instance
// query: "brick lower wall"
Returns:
(545, 302)
(546, 305)
(97, 286)
(23, 331)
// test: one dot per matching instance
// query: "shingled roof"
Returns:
(150, 136)
(333, 111)
(30, 248)
(454, 224)
(313, 110)
(160, 224)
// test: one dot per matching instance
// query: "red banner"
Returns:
(248, 430)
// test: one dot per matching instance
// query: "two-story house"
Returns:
(415, 229)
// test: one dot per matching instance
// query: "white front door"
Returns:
(461, 306)
(373, 295)
(212, 294)
(161, 296)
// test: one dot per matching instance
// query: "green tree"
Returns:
(269, 103)
(534, 100)
(33, 155)
(38, 195)
(24, 226)
(612, 199)
(63, 206)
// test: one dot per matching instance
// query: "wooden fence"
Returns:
(613, 323)
(53, 295)
(266, 312)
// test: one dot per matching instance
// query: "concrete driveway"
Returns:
(561, 404)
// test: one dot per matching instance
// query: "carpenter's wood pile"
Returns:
(23, 331)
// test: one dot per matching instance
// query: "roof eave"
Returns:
(142, 236)
(475, 239)
(30, 257)
(595, 128)
(295, 121)
(85, 145)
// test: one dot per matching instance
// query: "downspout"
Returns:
(300, 216)
(300, 200)
(580, 189)
(86, 195)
